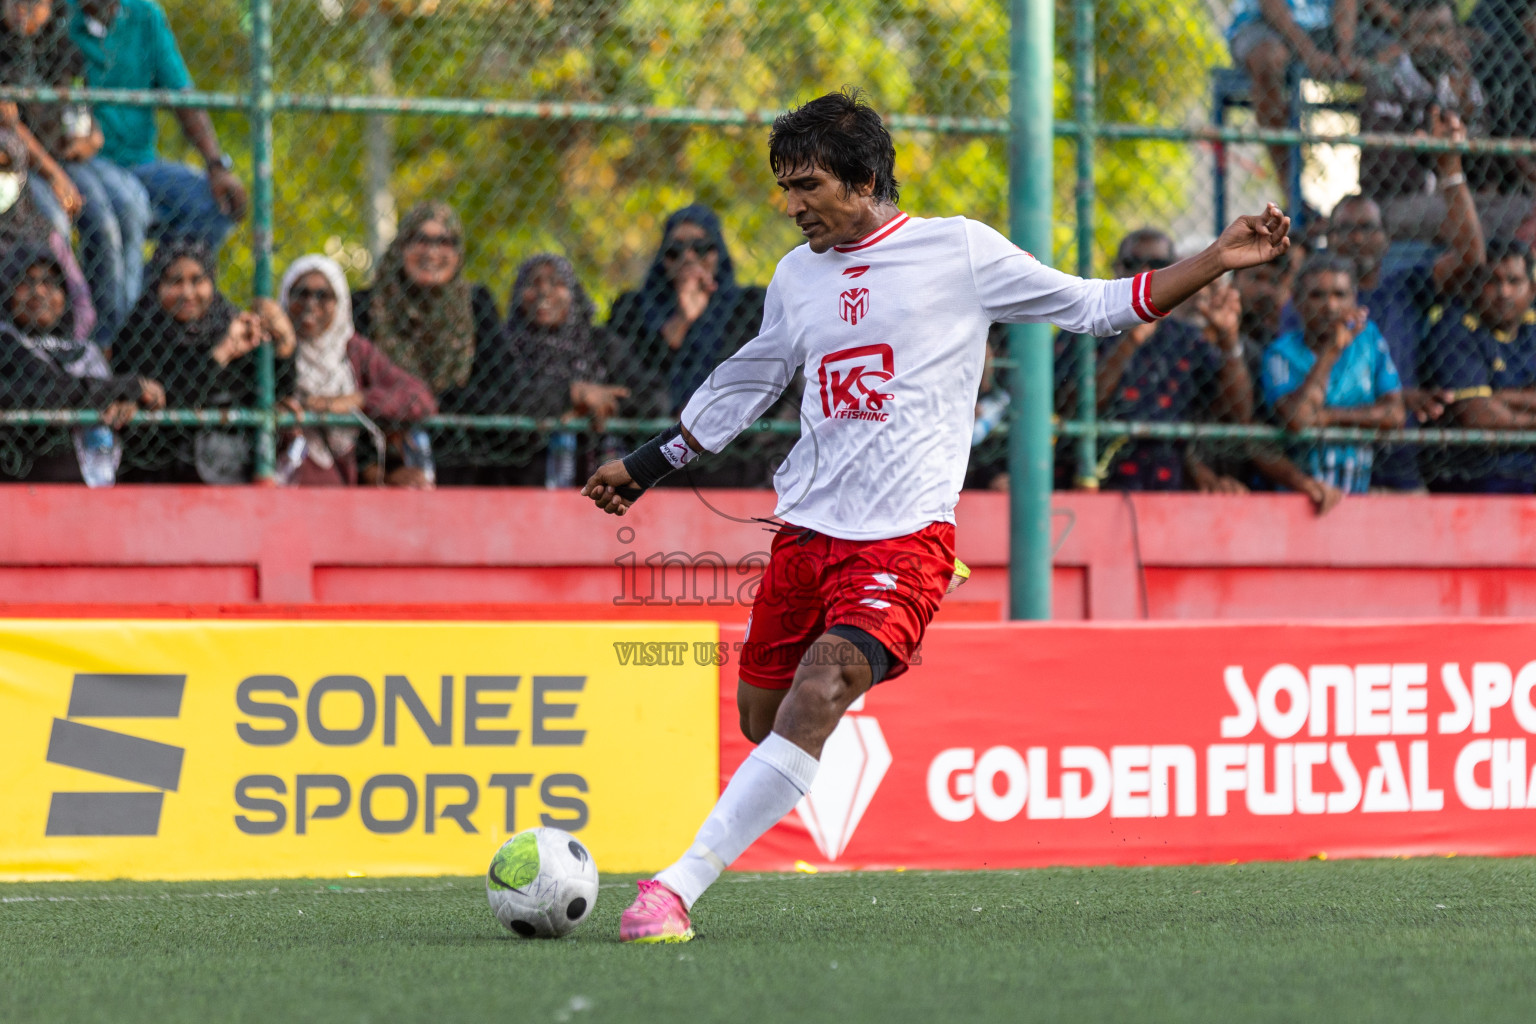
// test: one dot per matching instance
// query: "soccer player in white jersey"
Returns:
(888, 314)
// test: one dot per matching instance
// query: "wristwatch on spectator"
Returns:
(223, 160)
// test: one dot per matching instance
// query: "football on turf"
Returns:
(542, 883)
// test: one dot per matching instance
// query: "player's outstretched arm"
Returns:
(618, 484)
(1247, 242)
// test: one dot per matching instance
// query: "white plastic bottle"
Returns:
(99, 453)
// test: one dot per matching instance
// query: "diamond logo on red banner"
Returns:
(853, 763)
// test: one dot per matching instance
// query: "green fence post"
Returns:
(1030, 143)
(1085, 113)
(261, 223)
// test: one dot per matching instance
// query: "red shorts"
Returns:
(888, 588)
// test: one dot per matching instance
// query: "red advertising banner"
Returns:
(1029, 745)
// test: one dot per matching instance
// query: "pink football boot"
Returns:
(657, 915)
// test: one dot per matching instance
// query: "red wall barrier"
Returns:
(1170, 556)
(1024, 746)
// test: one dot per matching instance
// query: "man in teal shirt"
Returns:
(1334, 372)
(127, 44)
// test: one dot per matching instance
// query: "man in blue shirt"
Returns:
(1334, 372)
(127, 44)
(1486, 357)
(1399, 301)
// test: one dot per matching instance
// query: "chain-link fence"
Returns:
(1401, 321)
(549, 220)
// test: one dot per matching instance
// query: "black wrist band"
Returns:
(646, 465)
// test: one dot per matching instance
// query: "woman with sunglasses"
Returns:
(337, 370)
(421, 312)
(688, 314)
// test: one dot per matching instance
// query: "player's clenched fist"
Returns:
(1249, 241)
(604, 487)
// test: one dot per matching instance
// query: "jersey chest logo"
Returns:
(854, 305)
(851, 379)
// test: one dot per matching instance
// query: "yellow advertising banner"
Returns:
(235, 749)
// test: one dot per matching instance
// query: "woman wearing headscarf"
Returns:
(337, 370)
(23, 224)
(184, 333)
(43, 365)
(421, 312)
(687, 316)
(547, 361)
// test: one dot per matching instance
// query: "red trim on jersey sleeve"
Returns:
(1141, 298)
(881, 233)
(1146, 295)
(1136, 304)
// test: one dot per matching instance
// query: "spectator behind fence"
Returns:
(185, 334)
(421, 311)
(1423, 86)
(43, 365)
(1504, 57)
(1400, 301)
(1334, 372)
(108, 203)
(1486, 356)
(337, 370)
(1267, 35)
(35, 51)
(21, 224)
(687, 316)
(1263, 292)
(127, 44)
(1168, 371)
(549, 360)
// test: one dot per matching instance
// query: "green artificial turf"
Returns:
(1406, 940)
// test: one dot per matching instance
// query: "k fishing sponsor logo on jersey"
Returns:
(851, 379)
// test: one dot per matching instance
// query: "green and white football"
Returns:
(542, 883)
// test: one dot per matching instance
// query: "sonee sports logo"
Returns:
(850, 383)
(77, 745)
(854, 305)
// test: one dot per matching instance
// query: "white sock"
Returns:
(765, 788)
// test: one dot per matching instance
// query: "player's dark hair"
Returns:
(1326, 263)
(842, 135)
(1505, 248)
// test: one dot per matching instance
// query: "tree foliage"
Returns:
(599, 191)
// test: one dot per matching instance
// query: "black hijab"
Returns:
(151, 343)
(528, 369)
(14, 266)
(706, 342)
(50, 369)
(207, 329)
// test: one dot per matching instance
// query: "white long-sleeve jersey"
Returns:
(892, 331)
